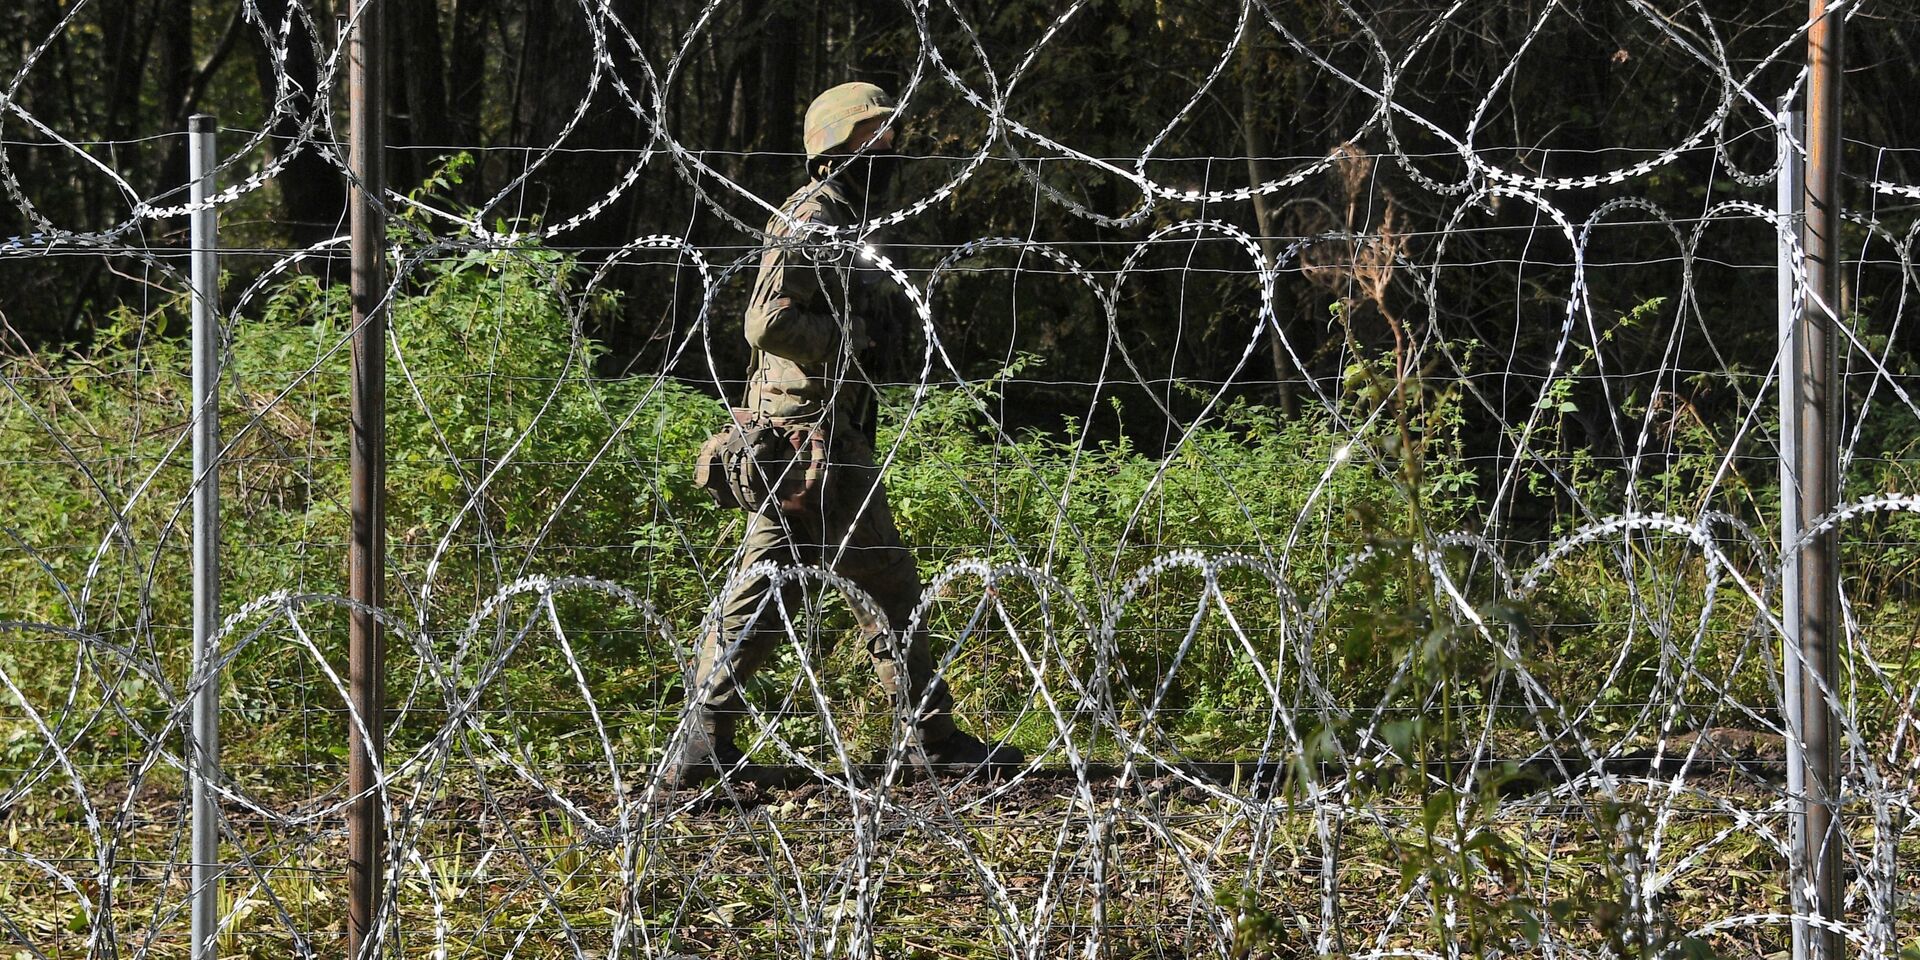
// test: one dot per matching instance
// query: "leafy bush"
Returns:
(513, 454)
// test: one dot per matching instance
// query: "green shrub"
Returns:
(512, 454)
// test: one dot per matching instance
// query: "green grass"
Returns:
(590, 476)
(725, 881)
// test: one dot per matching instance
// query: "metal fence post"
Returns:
(1790, 201)
(1817, 485)
(203, 755)
(366, 654)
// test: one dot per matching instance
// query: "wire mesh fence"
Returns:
(1373, 550)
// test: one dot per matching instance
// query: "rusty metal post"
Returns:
(1816, 471)
(366, 551)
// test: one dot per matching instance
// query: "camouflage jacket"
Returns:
(821, 322)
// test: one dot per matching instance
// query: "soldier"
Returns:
(820, 323)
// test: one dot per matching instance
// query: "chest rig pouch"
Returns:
(761, 459)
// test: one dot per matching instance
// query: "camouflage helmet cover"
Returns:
(832, 115)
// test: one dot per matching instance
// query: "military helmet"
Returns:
(832, 116)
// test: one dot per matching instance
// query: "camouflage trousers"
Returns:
(852, 533)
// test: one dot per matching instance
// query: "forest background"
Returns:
(1596, 88)
(480, 88)
(579, 382)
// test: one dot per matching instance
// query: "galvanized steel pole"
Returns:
(1790, 198)
(1817, 474)
(203, 755)
(366, 654)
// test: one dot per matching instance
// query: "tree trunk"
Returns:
(125, 43)
(748, 55)
(175, 72)
(421, 92)
(875, 28)
(780, 104)
(1284, 370)
(466, 70)
(312, 190)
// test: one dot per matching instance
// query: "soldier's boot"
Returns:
(707, 751)
(963, 749)
(934, 739)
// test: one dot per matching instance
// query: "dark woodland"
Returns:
(1596, 88)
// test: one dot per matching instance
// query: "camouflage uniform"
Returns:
(812, 322)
